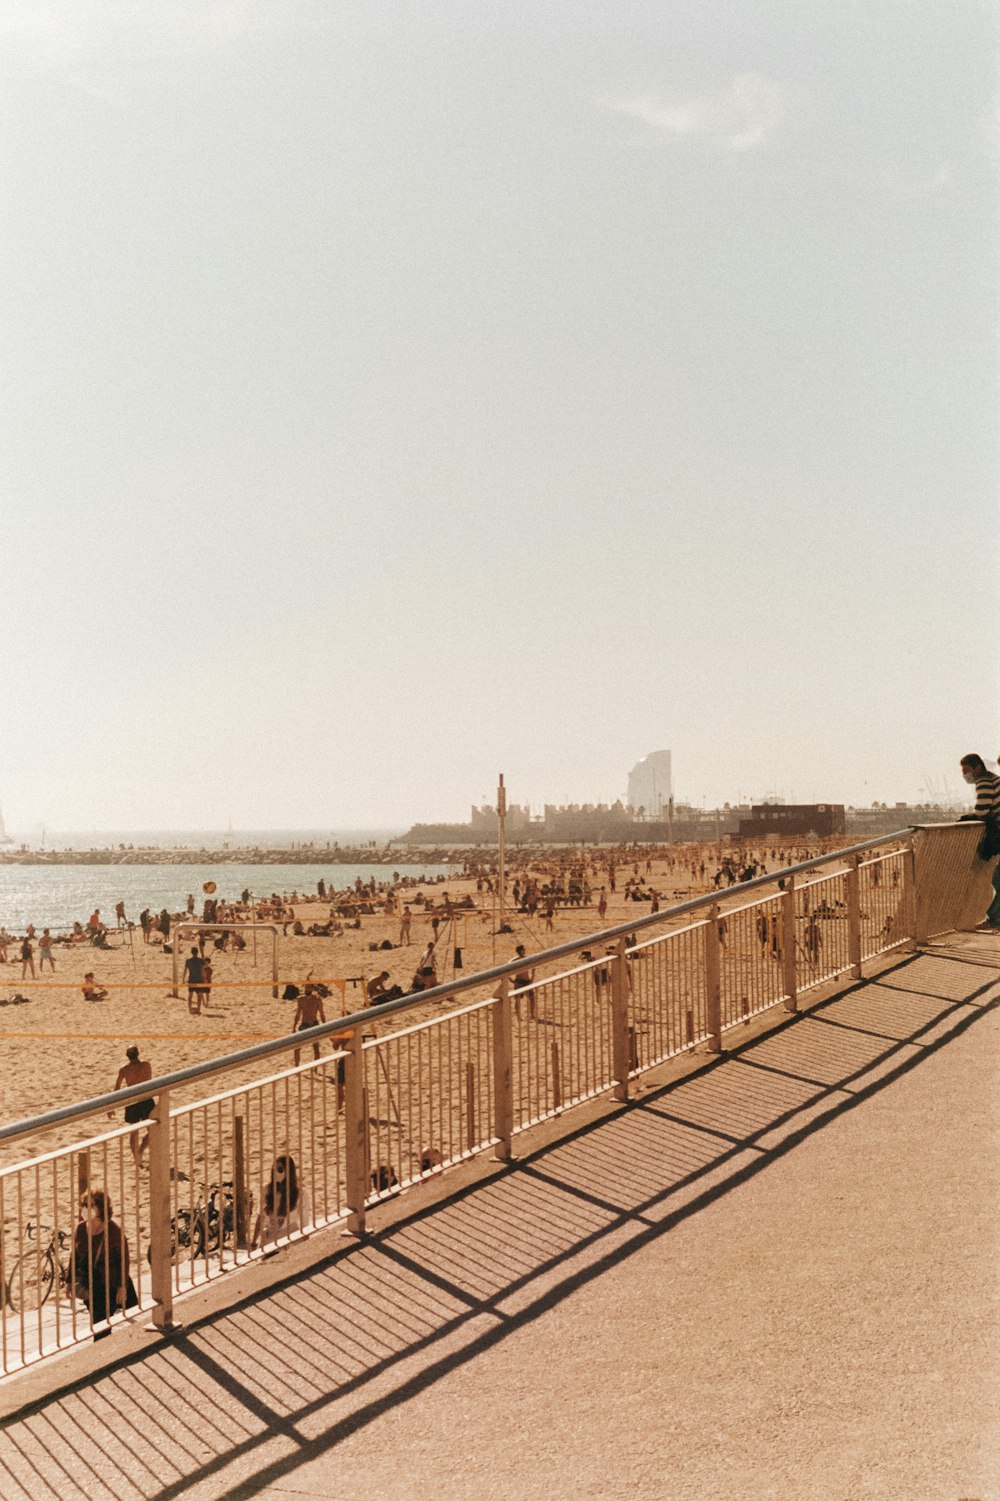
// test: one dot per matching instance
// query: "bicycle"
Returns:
(203, 1228)
(33, 1274)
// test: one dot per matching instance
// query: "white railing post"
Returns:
(853, 884)
(713, 980)
(355, 1134)
(161, 1238)
(619, 1021)
(916, 926)
(790, 981)
(503, 1072)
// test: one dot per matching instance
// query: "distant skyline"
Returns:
(393, 394)
(33, 832)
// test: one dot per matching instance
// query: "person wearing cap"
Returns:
(136, 1071)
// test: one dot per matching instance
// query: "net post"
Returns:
(240, 1196)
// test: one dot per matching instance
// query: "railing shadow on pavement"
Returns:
(238, 1401)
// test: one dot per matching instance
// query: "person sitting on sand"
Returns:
(380, 990)
(377, 988)
(91, 990)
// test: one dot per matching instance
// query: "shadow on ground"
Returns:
(241, 1400)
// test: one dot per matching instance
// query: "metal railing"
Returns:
(289, 1142)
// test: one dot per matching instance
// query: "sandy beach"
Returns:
(59, 1048)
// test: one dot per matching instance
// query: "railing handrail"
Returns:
(118, 1098)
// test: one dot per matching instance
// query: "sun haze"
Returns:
(393, 393)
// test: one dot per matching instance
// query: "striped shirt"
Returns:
(987, 796)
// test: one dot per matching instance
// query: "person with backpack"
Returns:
(987, 809)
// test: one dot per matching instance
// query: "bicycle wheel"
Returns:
(30, 1282)
(189, 1231)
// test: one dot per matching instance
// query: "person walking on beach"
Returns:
(404, 927)
(135, 1071)
(988, 810)
(120, 919)
(524, 977)
(308, 1013)
(194, 968)
(45, 951)
(27, 957)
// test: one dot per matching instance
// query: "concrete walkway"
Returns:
(773, 1276)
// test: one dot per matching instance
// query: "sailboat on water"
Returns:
(4, 836)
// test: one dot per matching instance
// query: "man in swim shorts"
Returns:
(308, 1013)
(136, 1071)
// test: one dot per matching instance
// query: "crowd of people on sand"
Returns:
(540, 882)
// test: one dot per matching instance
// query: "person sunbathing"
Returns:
(91, 990)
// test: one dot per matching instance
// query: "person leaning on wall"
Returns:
(987, 810)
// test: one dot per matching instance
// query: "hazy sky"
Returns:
(395, 393)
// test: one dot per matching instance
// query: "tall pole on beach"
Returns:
(502, 827)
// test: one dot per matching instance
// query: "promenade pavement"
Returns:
(773, 1276)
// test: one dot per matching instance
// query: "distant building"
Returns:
(793, 818)
(485, 822)
(650, 785)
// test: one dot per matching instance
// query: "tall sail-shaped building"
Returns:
(650, 785)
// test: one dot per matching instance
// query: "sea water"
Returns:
(56, 896)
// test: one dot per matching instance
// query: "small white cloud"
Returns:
(55, 35)
(739, 117)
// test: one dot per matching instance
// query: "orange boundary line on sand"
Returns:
(182, 984)
(145, 1036)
